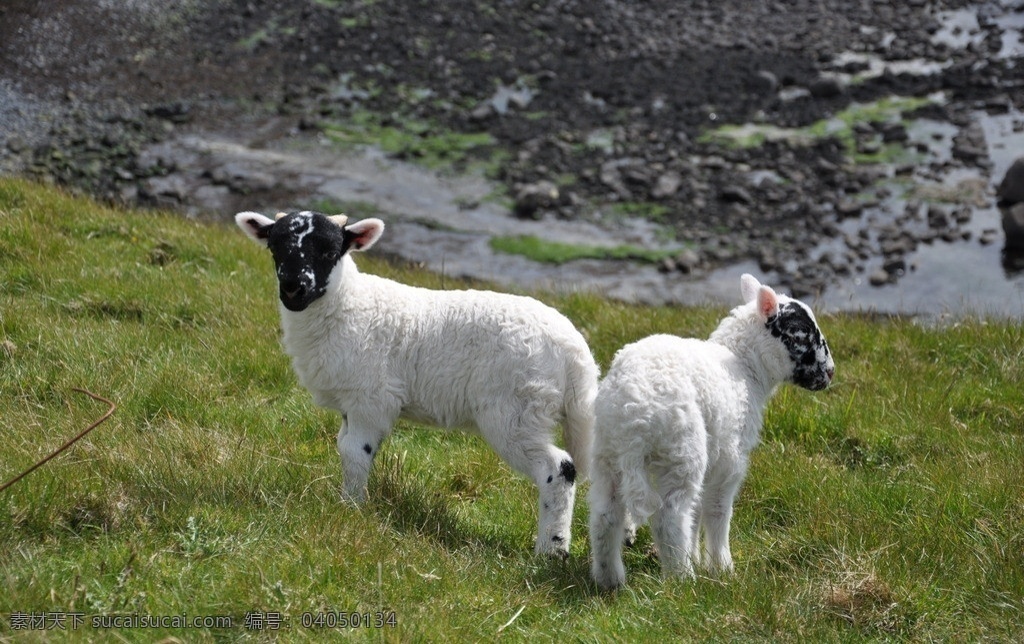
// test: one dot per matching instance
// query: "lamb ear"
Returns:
(365, 233)
(767, 302)
(749, 287)
(255, 225)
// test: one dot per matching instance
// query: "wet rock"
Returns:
(482, 112)
(1011, 188)
(999, 104)
(894, 133)
(952, 235)
(169, 190)
(1013, 226)
(869, 146)
(879, 277)
(242, 179)
(531, 198)
(849, 208)
(765, 83)
(769, 261)
(666, 185)
(898, 246)
(637, 173)
(687, 261)
(826, 87)
(611, 176)
(988, 237)
(212, 197)
(938, 217)
(735, 194)
(969, 144)
(895, 266)
(128, 194)
(177, 112)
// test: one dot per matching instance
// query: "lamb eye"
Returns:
(332, 255)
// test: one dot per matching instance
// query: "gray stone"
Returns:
(1011, 188)
(532, 197)
(482, 112)
(895, 265)
(162, 189)
(687, 261)
(894, 132)
(879, 277)
(1013, 226)
(765, 83)
(826, 87)
(849, 208)
(611, 176)
(666, 185)
(969, 145)
(735, 194)
(937, 217)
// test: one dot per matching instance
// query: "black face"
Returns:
(306, 247)
(813, 367)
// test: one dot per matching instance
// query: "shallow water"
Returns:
(962, 28)
(946, 278)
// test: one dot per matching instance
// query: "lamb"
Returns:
(375, 350)
(676, 421)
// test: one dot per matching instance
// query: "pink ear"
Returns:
(365, 233)
(767, 302)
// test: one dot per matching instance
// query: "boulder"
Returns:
(532, 197)
(666, 185)
(1013, 226)
(1011, 189)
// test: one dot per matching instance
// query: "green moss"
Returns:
(548, 252)
(645, 210)
(839, 127)
(413, 139)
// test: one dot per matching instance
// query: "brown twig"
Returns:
(70, 442)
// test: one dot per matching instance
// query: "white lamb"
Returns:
(676, 421)
(374, 350)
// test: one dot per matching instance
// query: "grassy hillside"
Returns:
(887, 507)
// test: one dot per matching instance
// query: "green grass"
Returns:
(417, 140)
(549, 252)
(840, 127)
(646, 210)
(885, 508)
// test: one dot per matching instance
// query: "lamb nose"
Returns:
(831, 371)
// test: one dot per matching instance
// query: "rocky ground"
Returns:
(599, 107)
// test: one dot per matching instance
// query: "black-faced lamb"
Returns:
(375, 350)
(676, 421)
